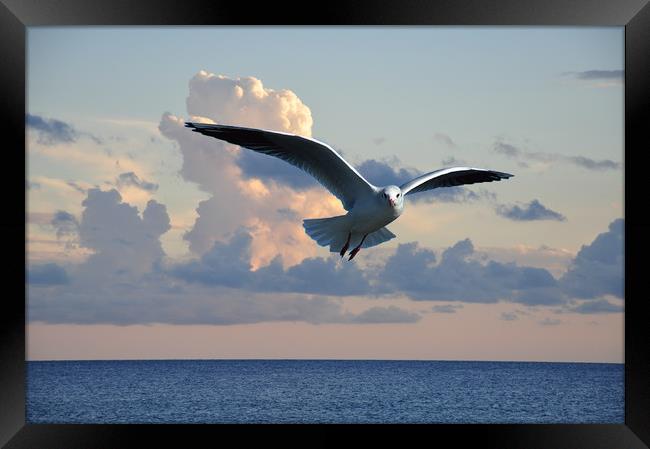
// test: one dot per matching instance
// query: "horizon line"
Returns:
(318, 360)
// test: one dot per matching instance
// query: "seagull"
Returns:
(369, 208)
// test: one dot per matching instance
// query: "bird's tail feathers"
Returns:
(332, 232)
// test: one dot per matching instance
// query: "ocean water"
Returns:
(323, 391)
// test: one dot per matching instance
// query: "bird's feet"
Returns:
(346, 246)
(354, 252)
(344, 249)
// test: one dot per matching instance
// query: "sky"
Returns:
(147, 241)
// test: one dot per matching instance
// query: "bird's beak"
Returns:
(392, 203)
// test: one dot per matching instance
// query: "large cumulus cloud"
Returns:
(240, 191)
(247, 102)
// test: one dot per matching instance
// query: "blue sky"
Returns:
(544, 103)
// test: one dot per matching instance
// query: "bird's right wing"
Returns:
(453, 176)
(314, 157)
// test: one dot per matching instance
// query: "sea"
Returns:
(323, 391)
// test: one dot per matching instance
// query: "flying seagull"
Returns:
(369, 208)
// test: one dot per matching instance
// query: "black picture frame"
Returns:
(16, 15)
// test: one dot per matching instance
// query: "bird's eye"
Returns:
(398, 195)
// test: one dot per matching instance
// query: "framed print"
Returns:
(428, 216)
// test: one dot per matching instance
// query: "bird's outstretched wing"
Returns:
(314, 157)
(453, 176)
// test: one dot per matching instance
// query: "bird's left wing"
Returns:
(314, 157)
(453, 176)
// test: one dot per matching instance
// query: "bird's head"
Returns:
(393, 196)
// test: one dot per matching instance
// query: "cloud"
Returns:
(412, 271)
(390, 314)
(233, 176)
(444, 138)
(597, 306)
(123, 242)
(598, 268)
(51, 131)
(145, 303)
(446, 308)
(598, 75)
(514, 152)
(540, 296)
(130, 179)
(556, 260)
(529, 212)
(451, 161)
(379, 140)
(273, 170)
(247, 102)
(592, 164)
(315, 275)
(453, 195)
(65, 224)
(507, 149)
(77, 187)
(407, 267)
(509, 316)
(54, 132)
(63, 218)
(47, 274)
(207, 163)
(122, 282)
(228, 264)
(383, 173)
(127, 281)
